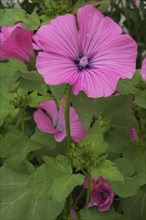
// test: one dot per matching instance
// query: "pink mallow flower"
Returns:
(101, 194)
(73, 214)
(133, 134)
(16, 43)
(92, 55)
(143, 69)
(136, 1)
(51, 120)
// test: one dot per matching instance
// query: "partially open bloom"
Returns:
(92, 57)
(73, 214)
(16, 43)
(143, 69)
(51, 120)
(101, 194)
(133, 134)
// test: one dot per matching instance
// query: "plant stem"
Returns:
(88, 190)
(67, 118)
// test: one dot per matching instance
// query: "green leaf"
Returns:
(133, 179)
(94, 214)
(115, 109)
(95, 140)
(44, 139)
(16, 146)
(135, 206)
(54, 179)
(9, 71)
(128, 86)
(58, 91)
(33, 100)
(6, 107)
(104, 5)
(140, 99)
(17, 203)
(86, 108)
(30, 80)
(107, 170)
(10, 17)
(138, 159)
(125, 166)
(119, 112)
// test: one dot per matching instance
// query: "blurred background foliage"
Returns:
(130, 16)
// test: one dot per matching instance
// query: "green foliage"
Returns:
(116, 109)
(101, 5)
(18, 203)
(9, 17)
(132, 166)
(54, 179)
(15, 146)
(140, 99)
(95, 140)
(94, 214)
(107, 170)
(134, 207)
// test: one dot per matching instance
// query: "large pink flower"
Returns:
(16, 43)
(92, 56)
(51, 120)
(101, 194)
(143, 69)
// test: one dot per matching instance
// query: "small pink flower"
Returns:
(143, 69)
(51, 120)
(133, 134)
(92, 56)
(136, 1)
(73, 214)
(101, 194)
(16, 43)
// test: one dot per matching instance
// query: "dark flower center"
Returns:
(104, 194)
(82, 63)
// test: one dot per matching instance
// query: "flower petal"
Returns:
(56, 69)
(43, 122)
(143, 69)
(50, 108)
(19, 45)
(78, 132)
(59, 37)
(96, 83)
(60, 136)
(95, 29)
(118, 56)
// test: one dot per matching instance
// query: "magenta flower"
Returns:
(51, 120)
(101, 194)
(143, 69)
(136, 1)
(16, 43)
(92, 57)
(133, 134)
(73, 214)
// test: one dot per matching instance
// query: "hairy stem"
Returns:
(67, 118)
